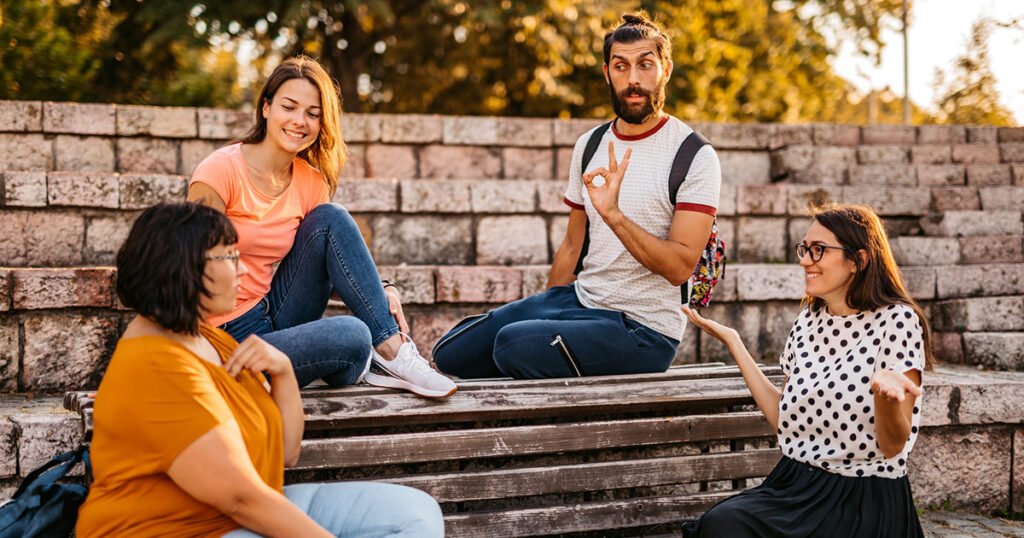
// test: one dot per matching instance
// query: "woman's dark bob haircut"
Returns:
(160, 267)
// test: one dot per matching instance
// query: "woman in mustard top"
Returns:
(190, 437)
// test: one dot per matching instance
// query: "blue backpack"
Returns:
(43, 507)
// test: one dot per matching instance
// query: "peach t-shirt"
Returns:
(266, 224)
(156, 399)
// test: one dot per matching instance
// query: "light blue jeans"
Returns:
(364, 510)
(329, 254)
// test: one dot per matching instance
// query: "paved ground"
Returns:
(962, 525)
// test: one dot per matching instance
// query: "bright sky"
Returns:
(939, 30)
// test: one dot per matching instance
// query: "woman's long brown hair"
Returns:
(328, 152)
(878, 282)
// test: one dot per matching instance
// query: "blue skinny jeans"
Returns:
(328, 254)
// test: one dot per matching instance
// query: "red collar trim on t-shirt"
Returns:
(640, 136)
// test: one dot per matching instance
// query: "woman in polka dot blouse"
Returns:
(848, 414)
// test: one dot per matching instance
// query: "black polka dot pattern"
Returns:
(827, 415)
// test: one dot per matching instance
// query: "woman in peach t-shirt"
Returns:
(275, 186)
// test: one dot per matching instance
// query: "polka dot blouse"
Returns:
(827, 411)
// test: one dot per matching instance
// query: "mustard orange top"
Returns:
(155, 400)
(266, 224)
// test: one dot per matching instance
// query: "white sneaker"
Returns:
(369, 361)
(409, 371)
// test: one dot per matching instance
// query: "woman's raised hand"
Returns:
(256, 355)
(893, 385)
(724, 334)
(395, 305)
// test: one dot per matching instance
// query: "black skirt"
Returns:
(798, 499)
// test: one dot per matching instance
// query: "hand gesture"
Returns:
(395, 306)
(893, 385)
(724, 334)
(603, 184)
(256, 355)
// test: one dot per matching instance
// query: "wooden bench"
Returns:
(603, 455)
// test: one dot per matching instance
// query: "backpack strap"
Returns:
(681, 164)
(588, 153)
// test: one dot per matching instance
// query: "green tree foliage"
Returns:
(968, 94)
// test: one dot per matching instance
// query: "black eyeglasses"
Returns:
(816, 250)
(233, 258)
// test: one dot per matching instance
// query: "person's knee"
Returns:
(724, 519)
(349, 339)
(510, 348)
(420, 514)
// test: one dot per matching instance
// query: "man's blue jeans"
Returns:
(552, 335)
(328, 254)
(365, 509)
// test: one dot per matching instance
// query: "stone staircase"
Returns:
(466, 212)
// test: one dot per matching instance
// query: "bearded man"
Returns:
(612, 306)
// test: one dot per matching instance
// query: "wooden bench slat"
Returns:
(581, 517)
(403, 448)
(502, 483)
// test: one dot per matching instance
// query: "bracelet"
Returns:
(385, 283)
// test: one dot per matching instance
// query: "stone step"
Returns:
(934, 251)
(973, 223)
(999, 350)
(981, 314)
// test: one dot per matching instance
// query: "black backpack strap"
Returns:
(588, 153)
(681, 165)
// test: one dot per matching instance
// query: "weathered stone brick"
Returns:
(416, 283)
(889, 201)
(535, 279)
(745, 318)
(955, 199)
(803, 197)
(355, 164)
(948, 347)
(361, 127)
(459, 162)
(789, 160)
(902, 175)
(980, 280)
(36, 289)
(978, 314)
(975, 154)
(1017, 483)
(365, 226)
(761, 239)
(940, 174)
(931, 154)
(556, 232)
(920, 282)
(531, 132)
(391, 161)
(551, 195)
(790, 135)
(165, 121)
(941, 134)
(1018, 174)
(84, 153)
(25, 189)
(423, 240)
(797, 230)
(768, 282)
(988, 175)
(973, 223)
(829, 134)
(911, 250)
(889, 134)
(8, 450)
(436, 196)
(563, 159)
(511, 240)
(981, 135)
(1012, 153)
(739, 135)
(504, 196)
(193, 152)
(777, 319)
(410, 128)
(5, 289)
(999, 350)
(368, 195)
(147, 155)
(528, 163)
(882, 155)
(221, 124)
(427, 329)
(78, 118)
(1007, 198)
(10, 349)
(25, 152)
(18, 116)
(470, 130)
(745, 167)
(44, 434)
(831, 166)
(105, 234)
(567, 132)
(479, 284)
(1011, 134)
(40, 238)
(951, 467)
(84, 190)
(142, 191)
(726, 232)
(761, 199)
(1001, 249)
(54, 362)
(727, 200)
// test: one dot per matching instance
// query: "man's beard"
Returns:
(655, 101)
